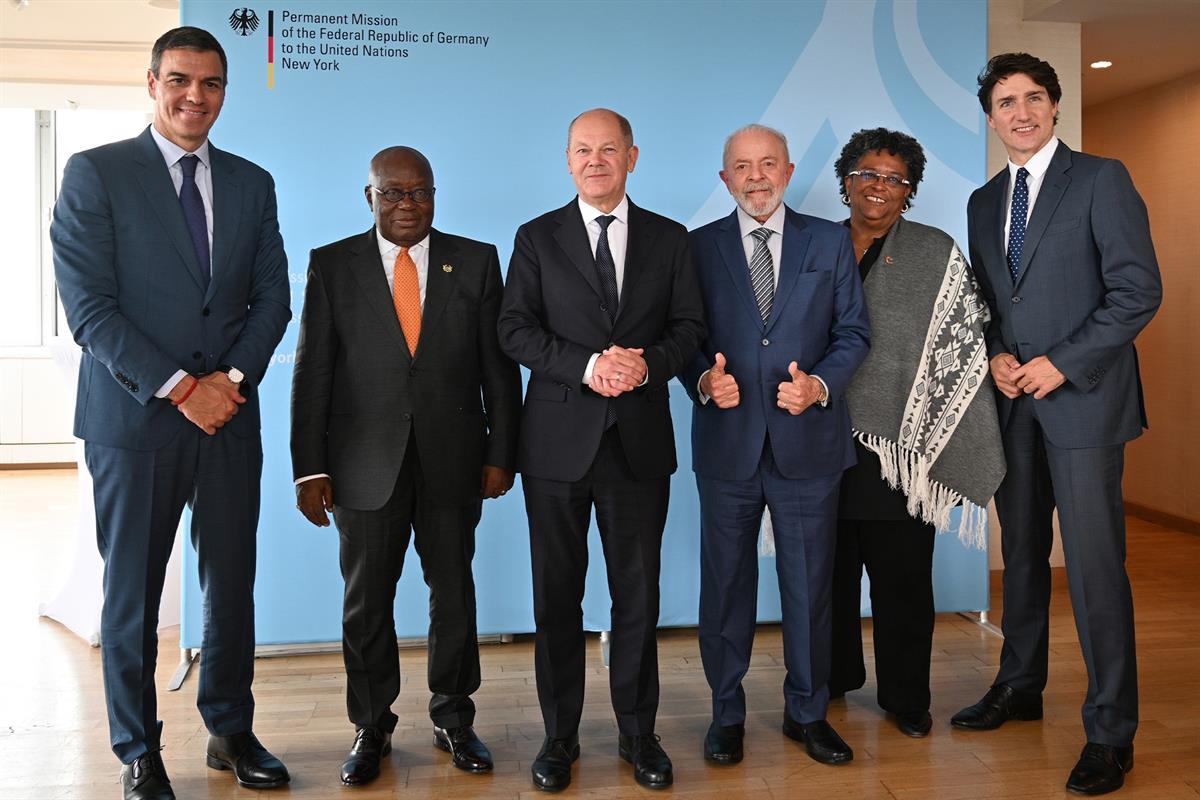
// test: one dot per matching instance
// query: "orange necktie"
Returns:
(406, 297)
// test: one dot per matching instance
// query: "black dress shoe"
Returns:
(999, 705)
(820, 740)
(252, 765)
(651, 767)
(371, 745)
(146, 778)
(552, 767)
(723, 743)
(916, 724)
(1101, 769)
(463, 745)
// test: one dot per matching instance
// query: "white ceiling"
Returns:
(1148, 41)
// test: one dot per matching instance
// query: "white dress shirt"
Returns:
(618, 243)
(1037, 166)
(747, 225)
(171, 153)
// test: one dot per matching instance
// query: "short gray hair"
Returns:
(754, 127)
(622, 123)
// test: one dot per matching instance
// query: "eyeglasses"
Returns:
(868, 176)
(394, 196)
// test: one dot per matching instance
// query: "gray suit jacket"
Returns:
(1088, 283)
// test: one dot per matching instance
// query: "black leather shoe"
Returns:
(146, 778)
(552, 767)
(820, 740)
(371, 745)
(651, 767)
(463, 745)
(723, 743)
(916, 724)
(252, 765)
(998, 706)
(1101, 769)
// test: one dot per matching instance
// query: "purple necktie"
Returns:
(193, 214)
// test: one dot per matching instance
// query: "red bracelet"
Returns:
(188, 393)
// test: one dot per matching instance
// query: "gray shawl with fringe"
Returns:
(922, 400)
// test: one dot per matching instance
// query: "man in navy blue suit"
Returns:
(172, 273)
(1060, 242)
(787, 329)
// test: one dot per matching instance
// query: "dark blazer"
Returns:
(553, 320)
(357, 392)
(135, 298)
(1088, 282)
(818, 319)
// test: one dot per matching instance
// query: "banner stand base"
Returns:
(981, 619)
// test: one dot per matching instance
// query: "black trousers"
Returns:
(631, 514)
(898, 556)
(373, 545)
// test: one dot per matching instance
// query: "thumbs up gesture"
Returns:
(800, 392)
(719, 385)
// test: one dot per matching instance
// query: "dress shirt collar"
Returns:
(774, 222)
(1037, 164)
(386, 246)
(172, 152)
(621, 212)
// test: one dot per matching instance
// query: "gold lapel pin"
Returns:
(447, 268)
(888, 260)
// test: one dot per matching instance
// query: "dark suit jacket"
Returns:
(553, 320)
(818, 319)
(1088, 283)
(357, 392)
(135, 300)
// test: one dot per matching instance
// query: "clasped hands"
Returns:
(618, 370)
(1037, 376)
(794, 395)
(211, 404)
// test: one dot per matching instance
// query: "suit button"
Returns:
(1016, 299)
(603, 307)
(197, 355)
(766, 342)
(206, 312)
(407, 415)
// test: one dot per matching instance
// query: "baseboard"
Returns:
(1162, 518)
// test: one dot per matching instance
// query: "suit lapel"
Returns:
(439, 284)
(155, 180)
(993, 210)
(227, 215)
(637, 246)
(572, 237)
(796, 239)
(1054, 186)
(367, 270)
(729, 244)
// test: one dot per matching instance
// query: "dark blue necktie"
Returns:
(193, 214)
(606, 269)
(1016, 222)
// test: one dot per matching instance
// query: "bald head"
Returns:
(408, 157)
(405, 173)
(606, 115)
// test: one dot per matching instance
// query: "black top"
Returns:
(864, 494)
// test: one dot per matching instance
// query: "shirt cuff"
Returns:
(591, 365)
(823, 403)
(704, 398)
(310, 478)
(171, 383)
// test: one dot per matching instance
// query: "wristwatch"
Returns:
(235, 374)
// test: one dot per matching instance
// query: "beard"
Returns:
(763, 206)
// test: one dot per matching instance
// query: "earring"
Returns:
(905, 207)
(845, 200)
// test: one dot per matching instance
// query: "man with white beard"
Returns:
(787, 329)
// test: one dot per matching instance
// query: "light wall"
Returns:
(1153, 132)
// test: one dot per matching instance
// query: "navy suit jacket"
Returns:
(1088, 282)
(818, 319)
(134, 296)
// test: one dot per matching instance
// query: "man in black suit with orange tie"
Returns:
(404, 418)
(603, 308)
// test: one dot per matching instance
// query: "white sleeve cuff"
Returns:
(824, 403)
(704, 398)
(171, 383)
(310, 477)
(591, 365)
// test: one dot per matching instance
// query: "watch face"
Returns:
(236, 375)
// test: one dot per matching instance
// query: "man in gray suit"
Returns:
(1060, 242)
(404, 418)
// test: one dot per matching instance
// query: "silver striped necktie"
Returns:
(762, 272)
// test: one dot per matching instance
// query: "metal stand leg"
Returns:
(982, 621)
(605, 646)
(187, 657)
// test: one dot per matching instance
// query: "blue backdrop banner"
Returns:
(486, 90)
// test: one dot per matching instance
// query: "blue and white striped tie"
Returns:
(762, 272)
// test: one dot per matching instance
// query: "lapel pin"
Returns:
(447, 268)
(889, 260)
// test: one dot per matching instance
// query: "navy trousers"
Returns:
(803, 515)
(139, 497)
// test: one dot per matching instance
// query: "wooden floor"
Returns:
(53, 736)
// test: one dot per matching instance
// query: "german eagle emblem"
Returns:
(244, 21)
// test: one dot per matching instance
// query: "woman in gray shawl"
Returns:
(924, 426)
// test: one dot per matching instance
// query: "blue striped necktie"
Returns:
(762, 272)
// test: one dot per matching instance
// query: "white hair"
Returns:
(754, 127)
